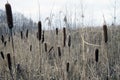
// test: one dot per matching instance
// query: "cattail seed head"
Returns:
(27, 33)
(9, 61)
(45, 47)
(43, 38)
(67, 66)
(105, 33)
(96, 55)
(21, 33)
(56, 31)
(39, 30)
(2, 39)
(69, 41)
(5, 43)
(2, 55)
(64, 36)
(9, 15)
(59, 52)
(30, 48)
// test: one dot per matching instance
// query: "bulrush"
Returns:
(39, 30)
(56, 31)
(67, 66)
(45, 47)
(59, 52)
(96, 55)
(105, 33)
(9, 61)
(9, 15)
(69, 41)
(2, 55)
(64, 36)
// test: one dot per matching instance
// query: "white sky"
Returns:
(93, 9)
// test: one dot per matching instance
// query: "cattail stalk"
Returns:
(105, 33)
(10, 25)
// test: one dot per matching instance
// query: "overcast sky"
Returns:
(93, 9)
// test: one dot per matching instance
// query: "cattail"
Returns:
(9, 15)
(43, 37)
(64, 36)
(105, 33)
(5, 43)
(56, 31)
(67, 67)
(59, 52)
(2, 55)
(9, 39)
(9, 61)
(39, 30)
(2, 39)
(69, 41)
(30, 47)
(27, 33)
(21, 33)
(45, 47)
(96, 55)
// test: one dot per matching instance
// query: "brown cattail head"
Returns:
(69, 41)
(105, 33)
(2, 39)
(64, 36)
(21, 33)
(67, 66)
(96, 55)
(9, 39)
(39, 30)
(43, 37)
(56, 31)
(27, 33)
(30, 48)
(9, 15)
(9, 61)
(45, 47)
(2, 55)
(59, 52)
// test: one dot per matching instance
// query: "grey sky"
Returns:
(93, 9)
